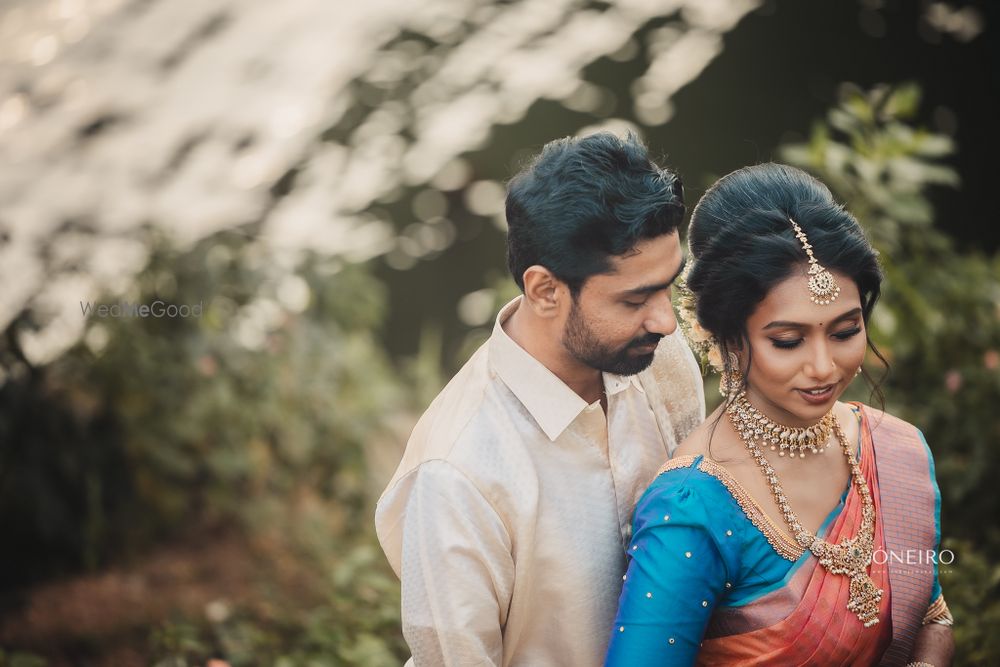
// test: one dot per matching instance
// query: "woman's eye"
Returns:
(785, 344)
(847, 333)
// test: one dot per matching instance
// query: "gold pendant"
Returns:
(864, 598)
(852, 556)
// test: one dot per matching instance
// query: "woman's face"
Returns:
(804, 355)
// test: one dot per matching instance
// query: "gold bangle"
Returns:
(919, 664)
(938, 613)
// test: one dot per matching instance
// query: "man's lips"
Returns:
(644, 347)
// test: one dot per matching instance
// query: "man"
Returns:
(507, 518)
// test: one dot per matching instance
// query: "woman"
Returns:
(790, 528)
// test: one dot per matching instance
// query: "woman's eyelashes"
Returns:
(790, 343)
(847, 333)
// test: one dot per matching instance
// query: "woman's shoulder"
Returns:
(679, 473)
(697, 442)
(876, 416)
(894, 435)
(686, 503)
(691, 486)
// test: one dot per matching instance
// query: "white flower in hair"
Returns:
(698, 333)
(714, 356)
(701, 340)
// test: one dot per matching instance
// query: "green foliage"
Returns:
(349, 617)
(869, 153)
(20, 659)
(972, 588)
(256, 414)
(252, 399)
(938, 324)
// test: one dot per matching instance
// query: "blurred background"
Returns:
(316, 187)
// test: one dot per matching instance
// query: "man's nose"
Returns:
(662, 319)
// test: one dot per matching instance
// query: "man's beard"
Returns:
(587, 348)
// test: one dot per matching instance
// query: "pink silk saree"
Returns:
(806, 622)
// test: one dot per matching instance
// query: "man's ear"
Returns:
(543, 292)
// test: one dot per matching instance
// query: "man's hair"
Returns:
(582, 201)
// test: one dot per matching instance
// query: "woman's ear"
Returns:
(736, 352)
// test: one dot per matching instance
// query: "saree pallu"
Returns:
(806, 622)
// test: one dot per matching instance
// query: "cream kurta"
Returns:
(507, 518)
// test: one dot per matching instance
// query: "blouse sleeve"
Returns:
(680, 561)
(937, 610)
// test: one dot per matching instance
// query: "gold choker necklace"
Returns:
(852, 556)
(776, 436)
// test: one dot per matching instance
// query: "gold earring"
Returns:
(731, 380)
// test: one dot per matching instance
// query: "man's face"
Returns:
(618, 318)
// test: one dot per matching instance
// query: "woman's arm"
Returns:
(676, 576)
(935, 646)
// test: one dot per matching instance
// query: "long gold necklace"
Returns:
(780, 437)
(852, 556)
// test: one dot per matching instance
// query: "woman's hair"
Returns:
(582, 201)
(743, 244)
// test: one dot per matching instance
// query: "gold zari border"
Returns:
(783, 545)
(674, 463)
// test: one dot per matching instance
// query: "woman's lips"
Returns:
(818, 395)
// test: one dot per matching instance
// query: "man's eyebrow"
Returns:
(781, 324)
(658, 287)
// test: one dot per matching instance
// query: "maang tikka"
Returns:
(823, 287)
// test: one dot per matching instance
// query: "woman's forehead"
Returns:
(789, 301)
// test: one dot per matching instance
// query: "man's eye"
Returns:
(635, 304)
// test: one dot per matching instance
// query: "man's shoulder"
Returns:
(456, 405)
(466, 419)
(674, 360)
(465, 442)
(675, 387)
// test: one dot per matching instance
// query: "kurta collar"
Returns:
(549, 400)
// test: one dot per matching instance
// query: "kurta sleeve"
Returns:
(456, 569)
(675, 390)
(677, 379)
(681, 559)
